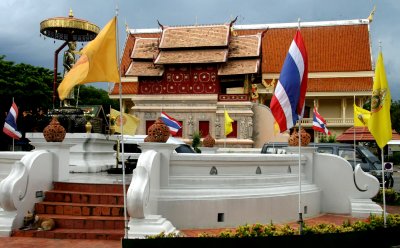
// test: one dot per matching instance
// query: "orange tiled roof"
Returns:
(239, 66)
(127, 88)
(336, 84)
(145, 48)
(244, 46)
(361, 134)
(192, 56)
(195, 36)
(339, 84)
(329, 48)
(141, 68)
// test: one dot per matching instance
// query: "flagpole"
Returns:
(354, 133)
(224, 128)
(13, 142)
(122, 131)
(300, 221)
(383, 189)
(383, 169)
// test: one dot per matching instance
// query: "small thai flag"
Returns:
(319, 123)
(172, 124)
(10, 124)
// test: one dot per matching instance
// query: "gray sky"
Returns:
(20, 19)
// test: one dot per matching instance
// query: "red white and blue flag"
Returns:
(319, 123)
(10, 124)
(172, 124)
(287, 103)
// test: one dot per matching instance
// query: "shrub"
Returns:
(391, 197)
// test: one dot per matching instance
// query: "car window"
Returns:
(325, 150)
(347, 154)
(184, 149)
(275, 150)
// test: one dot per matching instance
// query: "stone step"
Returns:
(87, 222)
(89, 187)
(84, 197)
(66, 233)
(79, 209)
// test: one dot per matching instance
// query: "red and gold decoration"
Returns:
(294, 138)
(158, 132)
(182, 80)
(208, 141)
(54, 132)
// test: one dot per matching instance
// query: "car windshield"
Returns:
(375, 161)
(184, 149)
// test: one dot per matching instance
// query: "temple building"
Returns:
(195, 73)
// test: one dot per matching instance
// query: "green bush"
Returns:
(391, 197)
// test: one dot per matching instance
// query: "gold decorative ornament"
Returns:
(294, 138)
(208, 141)
(158, 132)
(54, 132)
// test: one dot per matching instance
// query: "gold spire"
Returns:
(371, 15)
(71, 14)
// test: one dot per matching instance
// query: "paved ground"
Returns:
(74, 243)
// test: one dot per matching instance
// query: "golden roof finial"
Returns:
(371, 15)
(71, 14)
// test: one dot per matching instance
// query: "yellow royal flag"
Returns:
(361, 116)
(98, 62)
(228, 123)
(130, 122)
(379, 123)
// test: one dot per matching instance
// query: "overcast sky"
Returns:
(20, 20)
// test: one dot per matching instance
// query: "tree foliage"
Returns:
(32, 88)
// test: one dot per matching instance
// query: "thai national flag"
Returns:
(10, 124)
(287, 103)
(319, 123)
(172, 124)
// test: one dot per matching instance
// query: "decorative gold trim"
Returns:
(67, 28)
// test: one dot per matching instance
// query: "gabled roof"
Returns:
(192, 56)
(195, 36)
(128, 88)
(144, 68)
(244, 46)
(145, 48)
(361, 134)
(239, 66)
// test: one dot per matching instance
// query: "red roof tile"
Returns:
(128, 88)
(362, 134)
(339, 84)
(329, 48)
(195, 36)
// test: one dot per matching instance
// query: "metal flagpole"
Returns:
(126, 227)
(13, 144)
(383, 189)
(300, 221)
(354, 132)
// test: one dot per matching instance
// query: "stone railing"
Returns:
(331, 122)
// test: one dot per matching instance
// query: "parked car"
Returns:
(367, 160)
(131, 146)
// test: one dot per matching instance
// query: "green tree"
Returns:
(31, 87)
(395, 115)
(89, 95)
